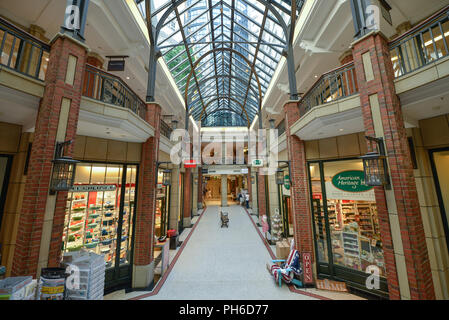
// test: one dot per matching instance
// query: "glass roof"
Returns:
(235, 41)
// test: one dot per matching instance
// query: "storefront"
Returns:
(181, 212)
(285, 195)
(162, 206)
(100, 217)
(5, 169)
(440, 168)
(345, 224)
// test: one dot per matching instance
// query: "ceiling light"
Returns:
(127, 78)
(341, 130)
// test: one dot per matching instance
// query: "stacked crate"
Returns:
(91, 276)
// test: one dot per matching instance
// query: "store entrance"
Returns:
(345, 224)
(236, 185)
(162, 207)
(5, 169)
(100, 217)
(440, 168)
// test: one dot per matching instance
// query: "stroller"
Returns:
(224, 219)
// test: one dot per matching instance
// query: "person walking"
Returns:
(247, 200)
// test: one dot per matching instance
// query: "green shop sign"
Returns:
(287, 182)
(351, 181)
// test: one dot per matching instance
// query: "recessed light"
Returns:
(341, 130)
(316, 76)
(127, 78)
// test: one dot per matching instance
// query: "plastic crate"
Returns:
(9, 286)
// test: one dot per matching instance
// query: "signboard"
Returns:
(349, 185)
(307, 267)
(116, 65)
(351, 181)
(189, 164)
(287, 182)
(204, 171)
(245, 171)
(257, 163)
(93, 188)
(331, 285)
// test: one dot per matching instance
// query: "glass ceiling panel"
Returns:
(189, 29)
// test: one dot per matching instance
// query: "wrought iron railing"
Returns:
(22, 52)
(166, 130)
(331, 86)
(422, 45)
(108, 88)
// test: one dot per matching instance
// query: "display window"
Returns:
(345, 222)
(100, 210)
(5, 169)
(162, 207)
(440, 168)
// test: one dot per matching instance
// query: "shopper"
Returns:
(247, 200)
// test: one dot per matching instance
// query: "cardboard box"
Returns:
(282, 250)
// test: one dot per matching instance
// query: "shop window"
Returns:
(345, 219)
(319, 222)
(162, 206)
(98, 217)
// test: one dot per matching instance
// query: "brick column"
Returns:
(383, 118)
(187, 196)
(200, 189)
(146, 203)
(250, 187)
(41, 223)
(261, 195)
(299, 190)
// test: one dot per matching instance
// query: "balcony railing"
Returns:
(108, 88)
(422, 45)
(331, 86)
(22, 52)
(166, 130)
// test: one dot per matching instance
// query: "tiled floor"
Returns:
(224, 263)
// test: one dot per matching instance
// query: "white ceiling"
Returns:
(326, 34)
(111, 30)
(25, 108)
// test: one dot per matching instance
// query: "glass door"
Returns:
(181, 212)
(345, 224)
(440, 168)
(100, 216)
(5, 170)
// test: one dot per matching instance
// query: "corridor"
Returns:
(224, 264)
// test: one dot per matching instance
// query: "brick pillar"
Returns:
(299, 190)
(383, 118)
(250, 187)
(260, 184)
(146, 202)
(261, 195)
(39, 236)
(200, 189)
(187, 195)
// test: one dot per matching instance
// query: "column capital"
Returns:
(64, 36)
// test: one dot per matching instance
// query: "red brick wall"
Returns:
(300, 198)
(146, 201)
(187, 193)
(200, 186)
(250, 186)
(399, 160)
(29, 234)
